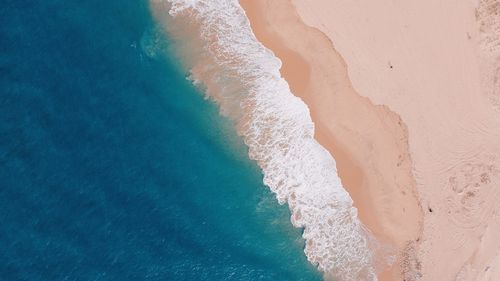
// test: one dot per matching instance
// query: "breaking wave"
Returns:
(243, 77)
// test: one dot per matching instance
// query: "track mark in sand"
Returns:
(410, 265)
(472, 184)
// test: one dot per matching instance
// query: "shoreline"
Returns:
(351, 137)
(243, 77)
(420, 117)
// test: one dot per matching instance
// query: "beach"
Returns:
(378, 124)
(405, 97)
(250, 140)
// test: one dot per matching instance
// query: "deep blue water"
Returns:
(113, 167)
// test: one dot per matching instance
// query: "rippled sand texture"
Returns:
(435, 63)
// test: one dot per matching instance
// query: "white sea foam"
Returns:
(243, 77)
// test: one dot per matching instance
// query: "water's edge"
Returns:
(243, 77)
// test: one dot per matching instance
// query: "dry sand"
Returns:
(416, 135)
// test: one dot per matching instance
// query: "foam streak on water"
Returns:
(243, 77)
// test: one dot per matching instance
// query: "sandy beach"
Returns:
(405, 96)
(250, 140)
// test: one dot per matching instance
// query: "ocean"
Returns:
(113, 166)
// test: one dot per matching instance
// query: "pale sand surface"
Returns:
(435, 65)
(368, 142)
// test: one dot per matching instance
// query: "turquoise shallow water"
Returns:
(113, 167)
